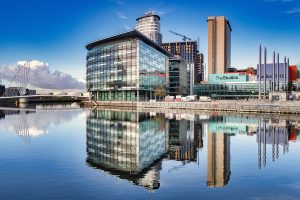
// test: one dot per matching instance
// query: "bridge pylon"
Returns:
(21, 78)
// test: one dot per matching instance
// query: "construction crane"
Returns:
(184, 38)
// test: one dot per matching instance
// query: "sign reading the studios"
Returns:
(269, 72)
(223, 78)
(227, 128)
(233, 77)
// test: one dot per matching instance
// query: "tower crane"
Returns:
(184, 38)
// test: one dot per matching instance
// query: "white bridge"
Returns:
(21, 79)
(41, 98)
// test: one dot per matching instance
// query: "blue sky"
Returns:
(56, 31)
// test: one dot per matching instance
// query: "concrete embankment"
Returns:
(40, 99)
(255, 106)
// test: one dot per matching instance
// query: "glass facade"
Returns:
(152, 70)
(177, 77)
(231, 90)
(124, 70)
(188, 52)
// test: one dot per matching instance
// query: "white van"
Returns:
(192, 97)
(205, 99)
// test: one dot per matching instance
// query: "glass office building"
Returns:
(178, 77)
(125, 67)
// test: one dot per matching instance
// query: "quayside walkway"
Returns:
(251, 106)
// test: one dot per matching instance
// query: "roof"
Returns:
(215, 17)
(179, 42)
(129, 34)
(148, 15)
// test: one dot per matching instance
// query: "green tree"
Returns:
(160, 91)
(290, 86)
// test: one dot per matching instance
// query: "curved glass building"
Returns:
(125, 67)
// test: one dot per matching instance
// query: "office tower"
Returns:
(177, 76)
(219, 45)
(188, 51)
(149, 25)
(127, 66)
(199, 68)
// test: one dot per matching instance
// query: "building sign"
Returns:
(298, 71)
(227, 128)
(224, 78)
(269, 72)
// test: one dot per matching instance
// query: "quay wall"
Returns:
(291, 107)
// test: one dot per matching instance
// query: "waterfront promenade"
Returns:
(250, 106)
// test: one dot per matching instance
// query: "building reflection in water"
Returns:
(218, 151)
(185, 137)
(130, 145)
(127, 144)
(219, 129)
(274, 133)
(270, 131)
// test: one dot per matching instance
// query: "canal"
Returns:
(68, 152)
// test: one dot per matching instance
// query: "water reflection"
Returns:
(185, 137)
(132, 145)
(127, 144)
(275, 133)
(218, 159)
(28, 123)
(219, 129)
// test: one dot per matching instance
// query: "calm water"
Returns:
(71, 153)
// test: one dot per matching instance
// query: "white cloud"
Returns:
(37, 123)
(293, 11)
(121, 15)
(40, 77)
